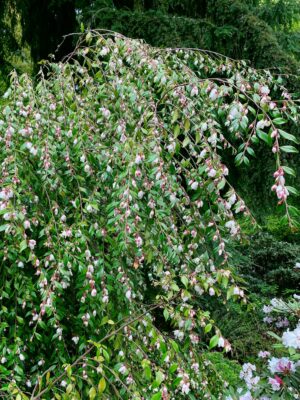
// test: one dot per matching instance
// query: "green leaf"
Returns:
(213, 341)
(185, 281)
(250, 151)
(222, 183)
(187, 125)
(289, 149)
(23, 245)
(175, 346)
(159, 377)
(263, 136)
(175, 116)
(177, 130)
(186, 141)
(166, 314)
(173, 368)
(92, 393)
(147, 372)
(274, 335)
(156, 396)
(3, 227)
(288, 136)
(101, 385)
(289, 171)
(279, 121)
(292, 190)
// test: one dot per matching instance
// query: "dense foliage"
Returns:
(116, 216)
(264, 32)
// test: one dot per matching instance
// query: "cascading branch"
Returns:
(116, 209)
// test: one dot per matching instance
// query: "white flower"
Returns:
(138, 159)
(32, 244)
(213, 94)
(264, 354)
(63, 383)
(26, 224)
(94, 293)
(231, 225)
(203, 153)
(264, 90)
(283, 365)
(204, 127)
(213, 139)
(262, 124)
(6, 194)
(297, 265)
(105, 299)
(185, 388)
(105, 112)
(89, 208)
(194, 185)
(267, 309)
(232, 199)
(123, 369)
(104, 51)
(75, 339)
(212, 173)
(179, 334)
(138, 241)
(21, 357)
(246, 396)
(292, 338)
(275, 384)
(3, 360)
(128, 294)
(33, 151)
(194, 91)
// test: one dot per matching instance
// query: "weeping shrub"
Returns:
(116, 211)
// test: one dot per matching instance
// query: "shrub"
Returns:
(114, 192)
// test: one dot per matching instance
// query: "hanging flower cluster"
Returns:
(116, 209)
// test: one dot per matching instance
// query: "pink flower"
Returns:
(275, 382)
(138, 241)
(32, 244)
(283, 365)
